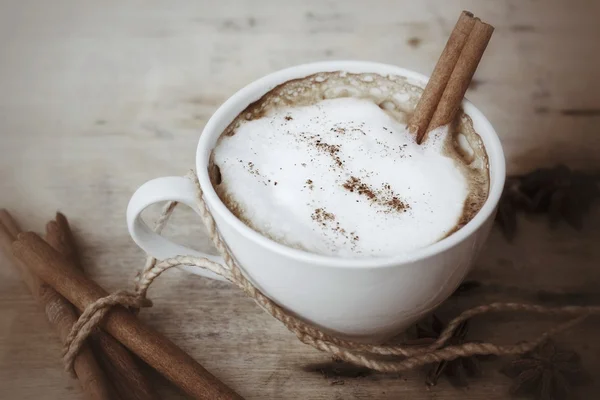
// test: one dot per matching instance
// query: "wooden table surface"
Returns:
(99, 96)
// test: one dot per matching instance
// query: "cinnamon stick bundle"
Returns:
(445, 90)
(61, 315)
(155, 349)
(120, 366)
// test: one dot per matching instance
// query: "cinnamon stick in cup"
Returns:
(155, 349)
(61, 315)
(462, 74)
(120, 366)
(440, 76)
(452, 75)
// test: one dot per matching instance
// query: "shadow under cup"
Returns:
(366, 299)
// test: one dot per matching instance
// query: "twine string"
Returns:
(366, 355)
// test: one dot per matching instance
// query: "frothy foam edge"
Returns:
(349, 211)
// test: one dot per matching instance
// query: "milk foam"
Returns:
(341, 177)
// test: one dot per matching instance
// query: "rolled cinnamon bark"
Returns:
(155, 349)
(439, 77)
(462, 75)
(61, 315)
(119, 364)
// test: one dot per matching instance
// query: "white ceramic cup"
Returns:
(367, 299)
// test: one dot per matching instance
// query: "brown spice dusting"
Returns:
(327, 220)
(288, 118)
(309, 182)
(396, 204)
(320, 215)
(355, 184)
(254, 171)
(384, 197)
(332, 149)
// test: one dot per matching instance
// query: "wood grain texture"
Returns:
(98, 97)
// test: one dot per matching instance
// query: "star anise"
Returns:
(506, 217)
(546, 373)
(456, 370)
(559, 192)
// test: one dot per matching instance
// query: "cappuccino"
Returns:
(325, 164)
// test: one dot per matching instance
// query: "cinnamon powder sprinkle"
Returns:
(327, 220)
(396, 204)
(384, 197)
(354, 184)
(332, 149)
(320, 215)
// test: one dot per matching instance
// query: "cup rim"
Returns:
(253, 91)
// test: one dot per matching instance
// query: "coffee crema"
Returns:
(325, 164)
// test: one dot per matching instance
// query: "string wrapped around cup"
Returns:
(366, 355)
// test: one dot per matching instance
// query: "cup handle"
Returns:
(173, 188)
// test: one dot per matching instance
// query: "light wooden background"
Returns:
(97, 97)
